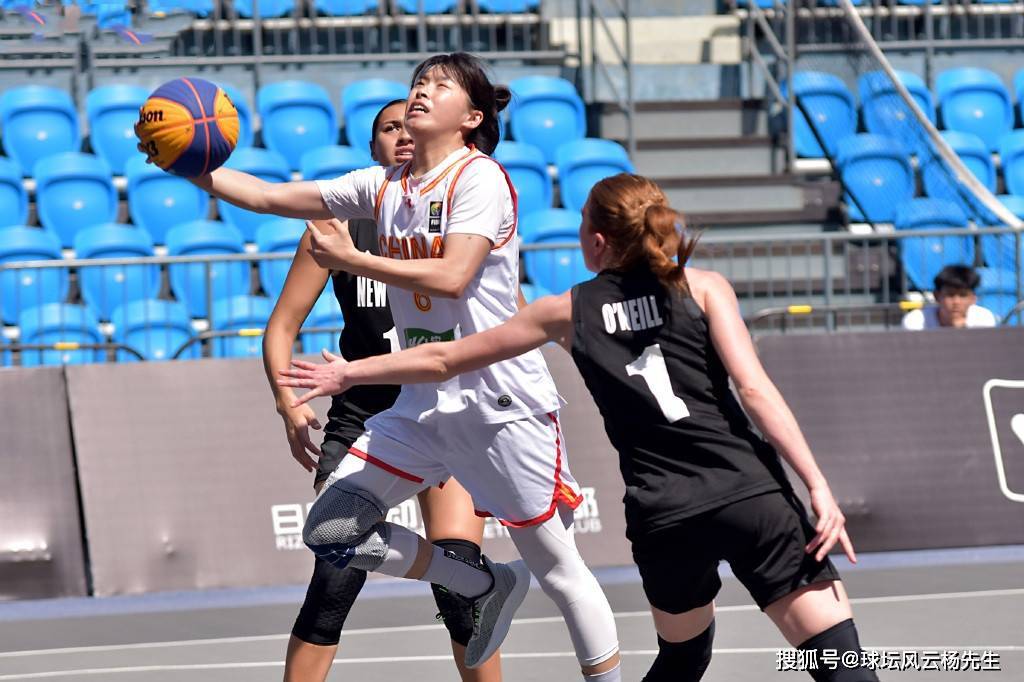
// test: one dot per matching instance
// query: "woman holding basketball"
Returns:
(446, 227)
(447, 513)
(657, 343)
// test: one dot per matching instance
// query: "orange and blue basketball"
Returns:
(188, 127)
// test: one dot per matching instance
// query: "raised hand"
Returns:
(322, 379)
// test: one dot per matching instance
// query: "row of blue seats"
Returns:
(75, 190)
(295, 116)
(104, 288)
(877, 171)
(157, 329)
(968, 99)
(280, 8)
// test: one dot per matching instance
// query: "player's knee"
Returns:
(457, 611)
(841, 640)
(345, 527)
(682, 661)
(330, 596)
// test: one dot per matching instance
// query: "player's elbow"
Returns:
(453, 284)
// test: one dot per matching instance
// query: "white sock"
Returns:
(457, 576)
(613, 675)
(403, 545)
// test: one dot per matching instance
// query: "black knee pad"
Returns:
(682, 661)
(838, 639)
(455, 610)
(330, 596)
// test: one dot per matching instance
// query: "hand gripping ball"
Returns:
(188, 127)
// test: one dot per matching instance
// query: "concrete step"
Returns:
(753, 200)
(713, 156)
(686, 120)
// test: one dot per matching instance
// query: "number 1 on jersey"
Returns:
(651, 366)
(392, 336)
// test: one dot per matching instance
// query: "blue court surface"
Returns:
(926, 611)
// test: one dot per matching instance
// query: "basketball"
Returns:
(188, 127)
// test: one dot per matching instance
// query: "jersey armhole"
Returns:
(512, 192)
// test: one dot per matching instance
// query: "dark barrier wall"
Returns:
(187, 480)
(40, 528)
(921, 434)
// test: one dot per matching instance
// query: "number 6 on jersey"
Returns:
(651, 366)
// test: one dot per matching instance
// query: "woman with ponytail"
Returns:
(657, 343)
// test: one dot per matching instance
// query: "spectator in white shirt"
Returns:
(957, 304)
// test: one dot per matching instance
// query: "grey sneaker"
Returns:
(493, 611)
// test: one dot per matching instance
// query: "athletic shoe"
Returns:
(493, 610)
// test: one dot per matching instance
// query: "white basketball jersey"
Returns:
(467, 193)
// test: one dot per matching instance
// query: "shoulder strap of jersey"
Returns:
(503, 239)
(388, 179)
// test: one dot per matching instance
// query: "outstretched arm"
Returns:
(767, 408)
(547, 319)
(288, 199)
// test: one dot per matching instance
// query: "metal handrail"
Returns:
(70, 346)
(245, 332)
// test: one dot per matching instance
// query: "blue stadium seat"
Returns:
(1018, 90)
(276, 236)
(556, 270)
(975, 101)
(60, 323)
(326, 163)
(107, 287)
(877, 173)
(112, 15)
(531, 224)
(22, 289)
(975, 155)
(188, 280)
(429, 6)
(885, 112)
(360, 102)
(546, 112)
(296, 116)
(1003, 251)
(201, 8)
(923, 258)
(529, 172)
(113, 111)
(827, 100)
(1011, 155)
(157, 201)
(13, 198)
(997, 291)
(531, 292)
(508, 6)
(345, 8)
(325, 313)
(264, 164)
(238, 313)
(582, 163)
(38, 121)
(73, 191)
(268, 8)
(155, 328)
(245, 133)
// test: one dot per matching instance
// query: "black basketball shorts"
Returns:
(762, 537)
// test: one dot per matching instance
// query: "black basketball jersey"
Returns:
(368, 330)
(685, 446)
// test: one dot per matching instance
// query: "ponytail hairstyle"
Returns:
(641, 228)
(469, 72)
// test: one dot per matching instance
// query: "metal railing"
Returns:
(601, 34)
(837, 280)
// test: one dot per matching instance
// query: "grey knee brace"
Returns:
(346, 528)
